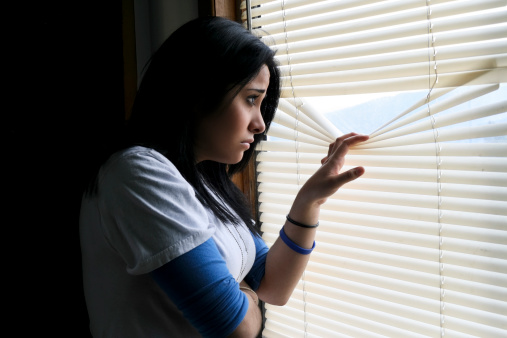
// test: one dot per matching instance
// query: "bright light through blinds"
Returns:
(417, 247)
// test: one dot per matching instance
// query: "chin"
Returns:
(234, 161)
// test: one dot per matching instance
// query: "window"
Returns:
(417, 247)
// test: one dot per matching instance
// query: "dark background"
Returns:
(62, 96)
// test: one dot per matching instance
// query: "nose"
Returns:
(257, 125)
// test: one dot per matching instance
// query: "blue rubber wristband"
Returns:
(293, 245)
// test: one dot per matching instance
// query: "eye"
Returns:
(251, 99)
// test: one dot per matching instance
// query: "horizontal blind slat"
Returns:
(447, 149)
(261, 7)
(401, 212)
(397, 174)
(410, 161)
(307, 117)
(341, 12)
(334, 288)
(440, 120)
(294, 124)
(364, 44)
(482, 311)
(288, 133)
(489, 256)
(479, 77)
(389, 230)
(335, 60)
(328, 75)
(376, 321)
(313, 326)
(382, 27)
(424, 109)
(396, 62)
(426, 199)
(270, 183)
(443, 135)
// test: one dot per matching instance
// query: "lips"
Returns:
(246, 143)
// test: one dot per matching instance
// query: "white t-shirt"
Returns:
(144, 215)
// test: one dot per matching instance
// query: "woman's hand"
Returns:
(328, 179)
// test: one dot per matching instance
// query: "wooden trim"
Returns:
(225, 8)
(228, 9)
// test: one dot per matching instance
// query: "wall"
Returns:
(155, 20)
(65, 95)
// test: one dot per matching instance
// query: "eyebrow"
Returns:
(261, 91)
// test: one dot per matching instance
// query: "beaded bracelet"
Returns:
(256, 298)
(293, 245)
(301, 224)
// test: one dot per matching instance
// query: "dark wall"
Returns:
(63, 99)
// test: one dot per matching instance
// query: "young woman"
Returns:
(168, 243)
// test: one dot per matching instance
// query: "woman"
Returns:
(168, 243)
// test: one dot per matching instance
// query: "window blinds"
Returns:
(417, 247)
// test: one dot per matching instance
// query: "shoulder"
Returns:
(137, 162)
(139, 171)
(137, 158)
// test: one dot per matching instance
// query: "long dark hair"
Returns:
(187, 78)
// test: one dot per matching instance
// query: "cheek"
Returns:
(234, 119)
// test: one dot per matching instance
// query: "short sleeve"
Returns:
(149, 213)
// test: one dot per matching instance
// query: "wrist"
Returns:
(302, 225)
(304, 212)
(308, 194)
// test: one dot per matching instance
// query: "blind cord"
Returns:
(433, 71)
(248, 16)
(296, 145)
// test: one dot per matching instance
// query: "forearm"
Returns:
(284, 266)
(251, 324)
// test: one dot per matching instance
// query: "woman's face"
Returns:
(225, 135)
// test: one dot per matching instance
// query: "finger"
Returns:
(342, 147)
(350, 175)
(356, 138)
(338, 141)
(353, 140)
(349, 139)
(346, 136)
(336, 151)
